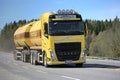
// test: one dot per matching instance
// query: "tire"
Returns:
(33, 60)
(45, 60)
(25, 58)
(22, 57)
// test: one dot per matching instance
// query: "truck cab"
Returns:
(63, 38)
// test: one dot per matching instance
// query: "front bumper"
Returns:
(64, 62)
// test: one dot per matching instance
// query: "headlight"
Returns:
(82, 54)
(52, 54)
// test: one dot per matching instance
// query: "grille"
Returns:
(68, 51)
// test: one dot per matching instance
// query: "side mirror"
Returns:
(46, 30)
(86, 29)
(86, 51)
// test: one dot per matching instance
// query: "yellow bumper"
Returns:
(65, 62)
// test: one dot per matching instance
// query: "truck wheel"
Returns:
(45, 60)
(22, 57)
(31, 59)
(34, 61)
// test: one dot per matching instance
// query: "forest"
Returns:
(103, 37)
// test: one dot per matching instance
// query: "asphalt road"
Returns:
(92, 70)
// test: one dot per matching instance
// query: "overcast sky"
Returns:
(14, 10)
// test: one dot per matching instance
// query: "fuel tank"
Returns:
(35, 35)
(28, 36)
(22, 36)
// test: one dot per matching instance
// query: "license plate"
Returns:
(68, 61)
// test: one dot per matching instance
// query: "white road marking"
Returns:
(70, 78)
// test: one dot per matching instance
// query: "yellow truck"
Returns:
(57, 38)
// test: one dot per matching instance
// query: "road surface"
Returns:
(92, 70)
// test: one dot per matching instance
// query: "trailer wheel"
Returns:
(22, 57)
(33, 60)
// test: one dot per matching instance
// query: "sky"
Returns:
(15, 10)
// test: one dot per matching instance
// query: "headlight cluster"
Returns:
(52, 54)
(82, 54)
(66, 11)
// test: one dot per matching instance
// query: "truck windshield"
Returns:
(60, 28)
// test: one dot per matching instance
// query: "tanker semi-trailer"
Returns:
(57, 38)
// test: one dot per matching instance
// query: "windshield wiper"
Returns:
(75, 33)
(59, 33)
(66, 33)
